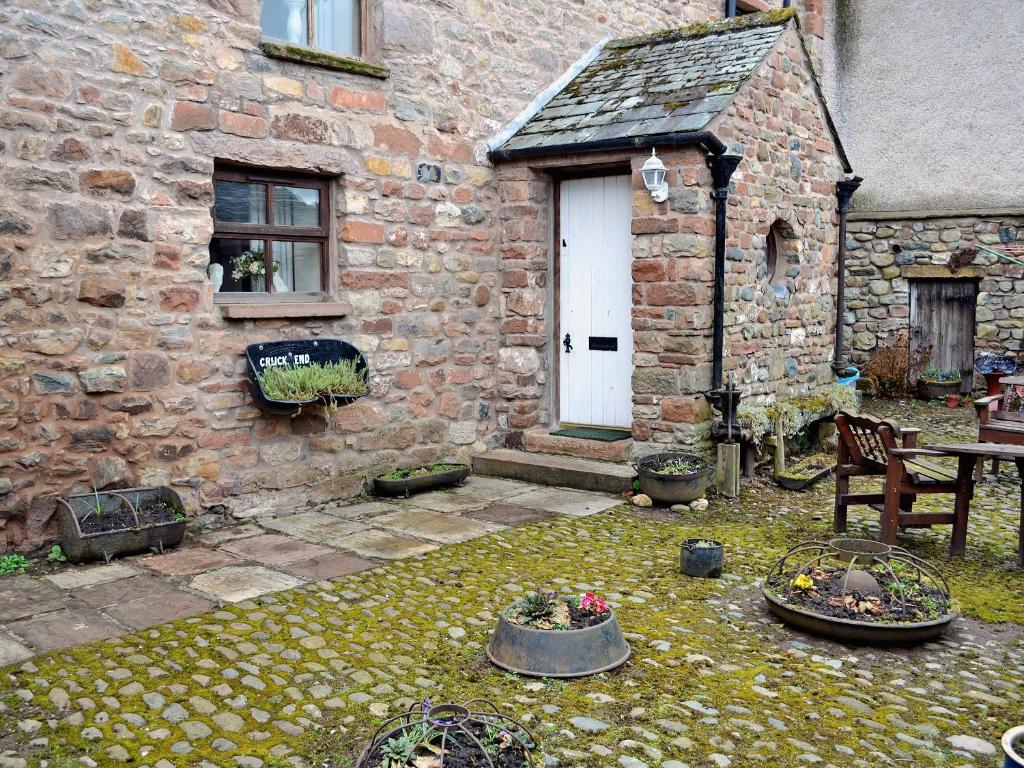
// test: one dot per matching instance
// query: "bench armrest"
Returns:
(983, 402)
(905, 453)
(910, 436)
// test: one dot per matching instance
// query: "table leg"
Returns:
(1020, 536)
(962, 505)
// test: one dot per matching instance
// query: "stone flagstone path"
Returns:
(264, 555)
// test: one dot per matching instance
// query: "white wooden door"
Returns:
(595, 302)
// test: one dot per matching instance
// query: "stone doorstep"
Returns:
(564, 471)
(542, 441)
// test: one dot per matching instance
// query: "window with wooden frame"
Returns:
(336, 26)
(271, 235)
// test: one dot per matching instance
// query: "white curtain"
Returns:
(337, 26)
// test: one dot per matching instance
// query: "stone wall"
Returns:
(118, 366)
(878, 293)
(778, 336)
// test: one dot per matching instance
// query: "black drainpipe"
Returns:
(730, 8)
(722, 167)
(844, 191)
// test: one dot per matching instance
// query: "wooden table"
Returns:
(968, 455)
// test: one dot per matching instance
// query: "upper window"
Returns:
(270, 234)
(330, 25)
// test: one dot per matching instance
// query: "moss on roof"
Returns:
(748, 21)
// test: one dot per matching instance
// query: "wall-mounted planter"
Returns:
(416, 483)
(670, 488)
(111, 523)
(276, 354)
(558, 653)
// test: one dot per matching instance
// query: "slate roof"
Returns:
(669, 82)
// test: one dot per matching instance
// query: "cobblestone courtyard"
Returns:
(302, 676)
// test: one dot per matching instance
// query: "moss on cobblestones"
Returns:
(711, 672)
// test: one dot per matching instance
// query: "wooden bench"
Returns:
(872, 447)
(999, 419)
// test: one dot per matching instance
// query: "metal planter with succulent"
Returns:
(470, 735)
(550, 634)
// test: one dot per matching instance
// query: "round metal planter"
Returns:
(671, 489)
(857, 632)
(558, 653)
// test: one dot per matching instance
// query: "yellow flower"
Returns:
(804, 582)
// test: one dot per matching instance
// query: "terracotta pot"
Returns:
(953, 401)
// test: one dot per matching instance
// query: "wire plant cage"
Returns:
(470, 735)
(859, 590)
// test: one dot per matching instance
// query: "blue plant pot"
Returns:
(1013, 758)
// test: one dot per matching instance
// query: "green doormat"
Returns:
(593, 433)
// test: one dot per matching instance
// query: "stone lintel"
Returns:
(941, 272)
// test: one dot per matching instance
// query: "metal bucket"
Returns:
(701, 562)
(558, 653)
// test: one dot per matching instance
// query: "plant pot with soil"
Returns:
(470, 735)
(701, 558)
(104, 524)
(548, 634)
(859, 591)
(287, 376)
(1013, 747)
(402, 482)
(674, 478)
(935, 384)
(806, 471)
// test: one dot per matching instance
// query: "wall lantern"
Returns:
(653, 172)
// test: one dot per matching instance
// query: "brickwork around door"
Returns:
(118, 367)
(880, 253)
(774, 346)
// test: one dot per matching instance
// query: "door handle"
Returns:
(567, 341)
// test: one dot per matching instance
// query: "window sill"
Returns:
(279, 49)
(283, 310)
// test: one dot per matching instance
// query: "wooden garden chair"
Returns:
(1002, 424)
(872, 447)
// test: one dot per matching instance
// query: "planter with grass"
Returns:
(403, 482)
(1013, 747)
(934, 384)
(287, 376)
(674, 478)
(104, 524)
(806, 471)
(549, 634)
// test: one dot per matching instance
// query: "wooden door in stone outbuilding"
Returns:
(942, 316)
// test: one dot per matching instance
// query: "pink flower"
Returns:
(591, 602)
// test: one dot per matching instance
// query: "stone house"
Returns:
(927, 100)
(402, 175)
